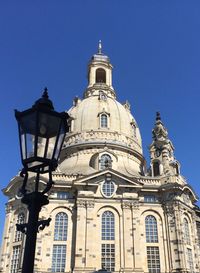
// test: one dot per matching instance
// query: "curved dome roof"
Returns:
(86, 117)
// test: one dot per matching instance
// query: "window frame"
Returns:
(18, 234)
(102, 161)
(108, 257)
(15, 260)
(153, 259)
(108, 226)
(100, 73)
(187, 235)
(103, 120)
(108, 189)
(151, 229)
(55, 266)
(61, 227)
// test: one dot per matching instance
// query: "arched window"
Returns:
(61, 224)
(151, 229)
(156, 169)
(104, 121)
(108, 226)
(108, 237)
(186, 231)
(177, 169)
(100, 75)
(105, 162)
(20, 220)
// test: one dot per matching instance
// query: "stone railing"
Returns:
(102, 137)
(149, 181)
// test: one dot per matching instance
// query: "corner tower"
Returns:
(163, 161)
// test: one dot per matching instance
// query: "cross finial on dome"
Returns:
(100, 47)
(158, 117)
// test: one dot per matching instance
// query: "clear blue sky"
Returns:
(155, 49)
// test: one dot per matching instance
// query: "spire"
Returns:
(158, 117)
(100, 47)
(163, 161)
(159, 132)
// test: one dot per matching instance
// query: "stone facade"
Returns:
(108, 210)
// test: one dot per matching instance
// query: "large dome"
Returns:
(101, 127)
(122, 127)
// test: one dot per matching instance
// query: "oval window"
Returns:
(108, 188)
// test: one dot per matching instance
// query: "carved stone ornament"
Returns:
(90, 203)
(130, 205)
(126, 205)
(81, 203)
(8, 208)
(135, 205)
(169, 210)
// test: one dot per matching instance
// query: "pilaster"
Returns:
(80, 253)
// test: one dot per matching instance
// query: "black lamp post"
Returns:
(41, 133)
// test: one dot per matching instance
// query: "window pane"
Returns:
(108, 226)
(15, 259)
(151, 229)
(105, 162)
(19, 234)
(150, 199)
(63, 195)
(108, 257)
(198, 232)
(186, 231)
(108, 188)
(58, 258)
(104, 121)
(153, 259)
(190, 260)
(61, 224)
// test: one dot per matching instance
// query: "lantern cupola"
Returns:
(100, 75)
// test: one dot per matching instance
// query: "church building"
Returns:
(109, 210)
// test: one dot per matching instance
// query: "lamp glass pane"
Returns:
(41, 146)
(30, 145)
(23, 146)
(51, 147)
(27, 133)
(60, 141)
(48, 132)
(48, 125)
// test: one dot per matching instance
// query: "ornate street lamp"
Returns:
(41, 133)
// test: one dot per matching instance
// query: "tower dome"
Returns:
(101, 127)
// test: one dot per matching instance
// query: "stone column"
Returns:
(176, 237)
(194, 239)
(6, 249)
(91, 240)
(80, 253)
(128, 237)
(136, 237)
(121, 243)
(168, 219)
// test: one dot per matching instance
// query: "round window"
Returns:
(108, 188)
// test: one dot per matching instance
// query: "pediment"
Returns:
(120, 179)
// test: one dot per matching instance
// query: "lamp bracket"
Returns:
(24, 174)
(41, 225)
